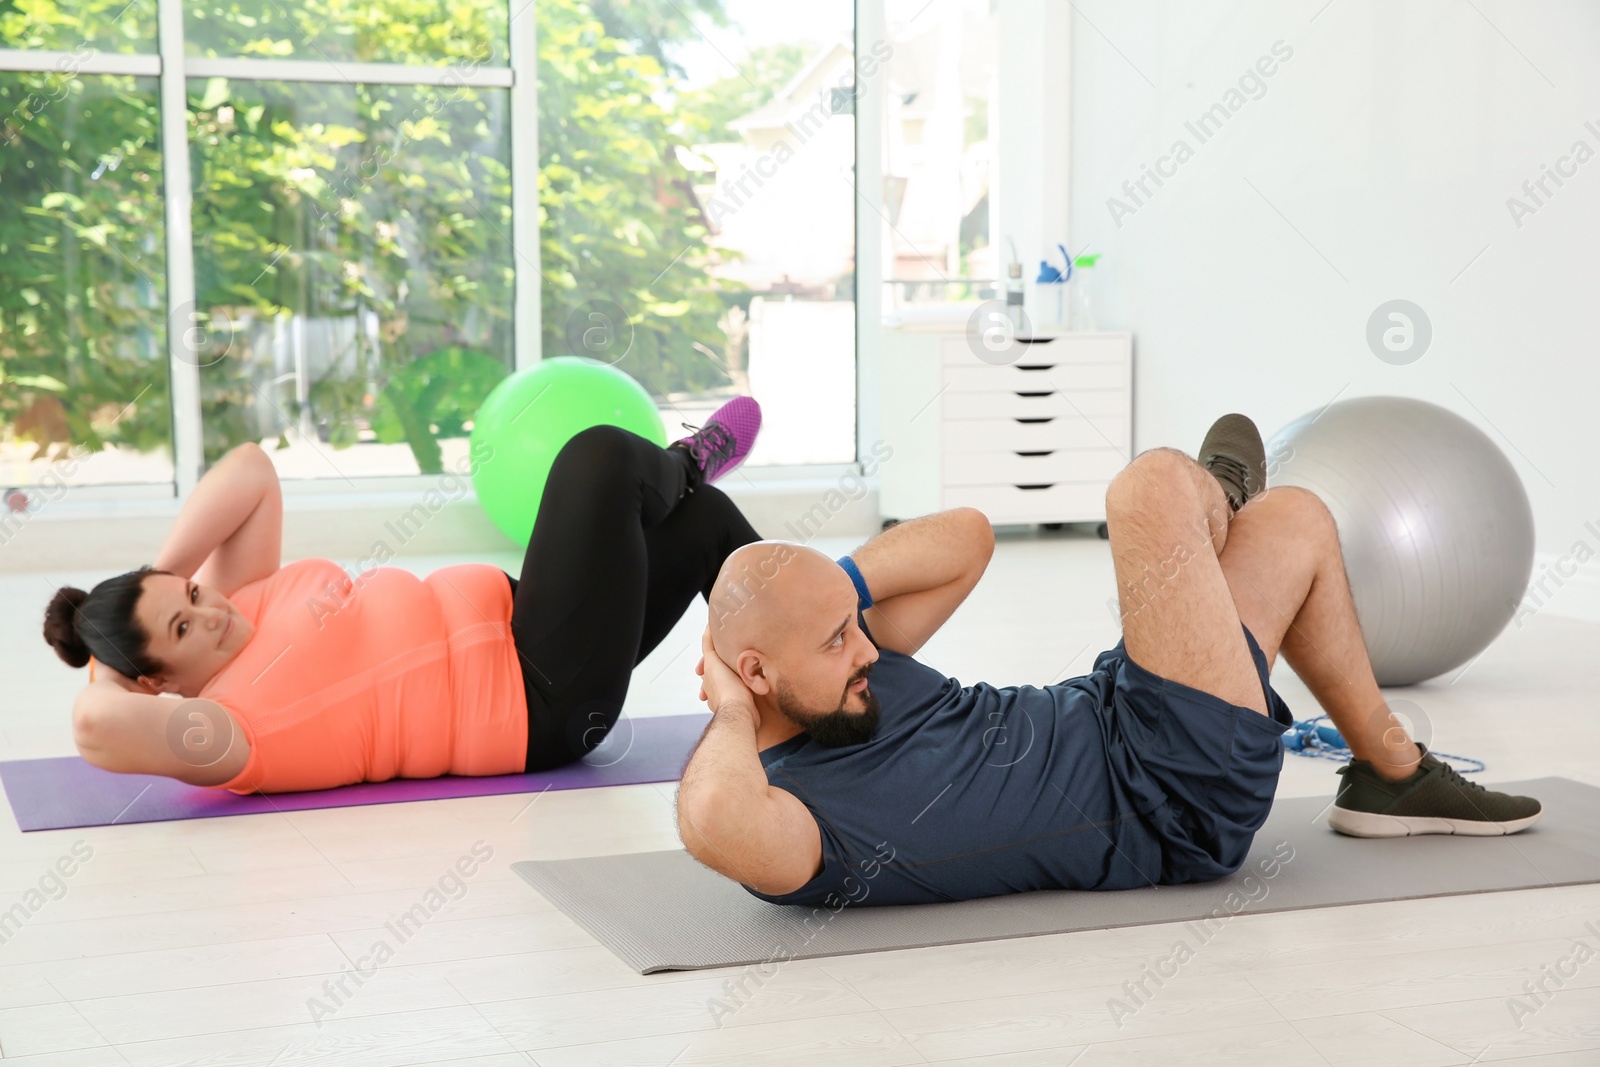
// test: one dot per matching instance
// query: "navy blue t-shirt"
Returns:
(973, 791)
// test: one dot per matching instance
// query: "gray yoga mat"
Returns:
(663, 911)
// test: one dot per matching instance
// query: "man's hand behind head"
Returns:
(719, 684)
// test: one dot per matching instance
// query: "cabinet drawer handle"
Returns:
(1033, 394)
(1047, 418)
(1036, 340)
(1036, 366)
(1036, 485)
(1042, 452)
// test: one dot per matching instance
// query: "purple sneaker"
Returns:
(726, 438)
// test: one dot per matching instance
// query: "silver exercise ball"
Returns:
(1434, 523)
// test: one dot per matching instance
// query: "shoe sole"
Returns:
(1371, 824)
(725, 471)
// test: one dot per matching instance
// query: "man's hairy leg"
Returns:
(1168, 522)
(1285, 569)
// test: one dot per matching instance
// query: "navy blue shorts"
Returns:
(1202, 770)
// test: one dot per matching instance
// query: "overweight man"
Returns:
(837, 767)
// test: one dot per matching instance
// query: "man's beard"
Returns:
(839, 727)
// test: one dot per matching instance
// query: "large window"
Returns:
(362, 259)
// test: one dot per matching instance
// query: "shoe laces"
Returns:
(712, 443)
(1453, 777)
(1233, 469)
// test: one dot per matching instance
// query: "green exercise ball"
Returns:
(524, 422)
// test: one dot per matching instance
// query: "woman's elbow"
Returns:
(85, 732)
(247, 452)
(252, 455)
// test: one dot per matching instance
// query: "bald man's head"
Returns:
(783, 616)
(766, 589)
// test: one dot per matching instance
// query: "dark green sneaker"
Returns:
(1434, 800)
(1235, 456)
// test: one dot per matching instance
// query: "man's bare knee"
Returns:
(1295, 509)
(1308, 504)
(1160, 477)
(1164, 485)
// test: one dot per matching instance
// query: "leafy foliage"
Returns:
(653, 26)
(82, 282)
(433, 397)
(79, 26)
(434, 32)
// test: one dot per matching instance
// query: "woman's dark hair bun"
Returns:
(102, 623)
(61, 626)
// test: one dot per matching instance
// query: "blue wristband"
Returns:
(850, 568)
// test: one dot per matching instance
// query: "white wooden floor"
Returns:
(209, 941)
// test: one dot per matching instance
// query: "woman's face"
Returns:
(193, 629)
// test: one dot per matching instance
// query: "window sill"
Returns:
(793, 503)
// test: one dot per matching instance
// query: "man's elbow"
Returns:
(701, 819)
(707, 834)
(697, 820)
(978, 535)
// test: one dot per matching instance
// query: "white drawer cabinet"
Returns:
(1032, 441)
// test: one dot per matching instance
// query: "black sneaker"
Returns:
(1434, 800)
(1235, 456)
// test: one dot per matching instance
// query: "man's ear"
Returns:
(753, 672)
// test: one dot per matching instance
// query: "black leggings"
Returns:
(625, 537)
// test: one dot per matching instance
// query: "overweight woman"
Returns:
(302, 677)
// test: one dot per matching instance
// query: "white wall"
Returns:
(1376, 164)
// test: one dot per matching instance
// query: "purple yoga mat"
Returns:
(65, 792)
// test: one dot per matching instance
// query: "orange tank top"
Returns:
(384, 675)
